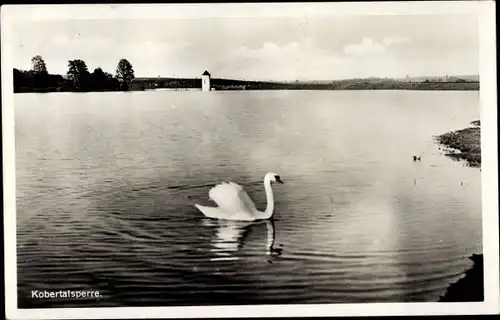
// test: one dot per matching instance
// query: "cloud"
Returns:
(147, 56)
(366, 46)
(153, 48)
(293, 60)
(303, 60)
(269, 50)
(395, 40)
(75, 44)
(285, 50)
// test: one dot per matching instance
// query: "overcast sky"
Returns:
(285, 48)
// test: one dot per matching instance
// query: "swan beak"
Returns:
(279, 181)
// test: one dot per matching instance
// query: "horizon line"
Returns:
(308, 80)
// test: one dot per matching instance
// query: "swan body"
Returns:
(235, 204)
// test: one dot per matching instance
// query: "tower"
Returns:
(205, 81)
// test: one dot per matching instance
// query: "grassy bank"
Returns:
(469, 288)
(464, 144)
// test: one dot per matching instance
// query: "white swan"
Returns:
(235, 204)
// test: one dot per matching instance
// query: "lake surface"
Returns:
(106, 184)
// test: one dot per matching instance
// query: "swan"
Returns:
(235, 204)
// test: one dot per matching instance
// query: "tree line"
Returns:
(78, 78)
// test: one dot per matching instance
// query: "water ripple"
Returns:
(105, 198)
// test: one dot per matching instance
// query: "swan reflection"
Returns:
(230, 237)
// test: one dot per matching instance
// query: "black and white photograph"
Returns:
(230, 159)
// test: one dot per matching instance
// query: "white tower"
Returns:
(205, 81)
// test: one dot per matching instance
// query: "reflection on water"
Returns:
(230, 237)
(106, 184)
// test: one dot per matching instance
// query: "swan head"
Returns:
(273, 177)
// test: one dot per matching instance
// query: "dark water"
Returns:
(106, 184)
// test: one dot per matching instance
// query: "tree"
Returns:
(24, 80)
(39, 72)
(18, 80)
(38, 65)
(111, 82)
(79, 74)
(98, 79)
(56, 82)
(103, 81)
(108, 75)
(124, 73)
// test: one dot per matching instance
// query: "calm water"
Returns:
(106, 184)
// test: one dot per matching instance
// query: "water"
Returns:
(106, 184)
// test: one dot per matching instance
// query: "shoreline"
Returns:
(464, 144)
(469, 288)
(247, 89)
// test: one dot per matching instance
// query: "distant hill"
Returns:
(423, 83)
(473, 78)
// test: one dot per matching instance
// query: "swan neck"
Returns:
(270, 199)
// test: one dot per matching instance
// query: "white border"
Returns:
(484, 9)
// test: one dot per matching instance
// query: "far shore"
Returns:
(141, 84)
(464, 144)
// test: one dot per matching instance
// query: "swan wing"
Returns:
(231, 197)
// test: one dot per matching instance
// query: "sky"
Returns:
(259, 48)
